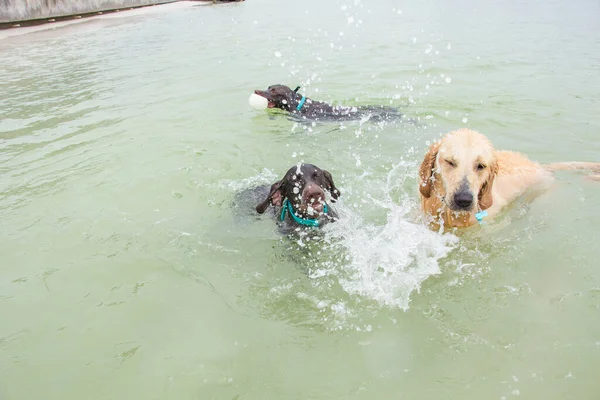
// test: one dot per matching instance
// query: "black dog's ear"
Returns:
(335, 193)
(275, 197)
(296, 90)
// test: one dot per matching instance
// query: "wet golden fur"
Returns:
(466, 160)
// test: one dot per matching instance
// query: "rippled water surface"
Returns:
(129, 272)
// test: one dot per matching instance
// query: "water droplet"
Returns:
(569, 376)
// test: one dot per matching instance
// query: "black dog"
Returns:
(299, 197)
(284, 98)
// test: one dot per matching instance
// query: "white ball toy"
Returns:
(258, 102)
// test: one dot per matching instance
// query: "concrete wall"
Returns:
(23, 10)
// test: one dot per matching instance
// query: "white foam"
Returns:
(266, 176)
(388, 263)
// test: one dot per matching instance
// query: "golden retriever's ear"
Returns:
(485, 193)
(426, 170)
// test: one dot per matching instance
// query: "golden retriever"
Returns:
(463, 179)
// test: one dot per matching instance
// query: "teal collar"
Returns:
(287, 208)
(301, 104)
(481, 215)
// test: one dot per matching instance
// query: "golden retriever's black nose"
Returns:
(463, 200)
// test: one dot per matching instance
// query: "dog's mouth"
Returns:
(262, 93)
(457, 209)
(311, 209)
(315, 208)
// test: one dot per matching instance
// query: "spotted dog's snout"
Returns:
(313, 196)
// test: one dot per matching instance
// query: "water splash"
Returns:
(266, 176)
(388, 262)
(380, 260)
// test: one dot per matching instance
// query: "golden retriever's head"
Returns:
(460, 169)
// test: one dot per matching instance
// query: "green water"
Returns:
(126, 273)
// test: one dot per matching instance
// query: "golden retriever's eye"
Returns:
(451, 163)
(480, 167)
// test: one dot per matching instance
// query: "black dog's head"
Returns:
(280, 96)
(303, 185)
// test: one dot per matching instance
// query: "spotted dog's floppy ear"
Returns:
(335, 193)
(275, 197)
(426, 170)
